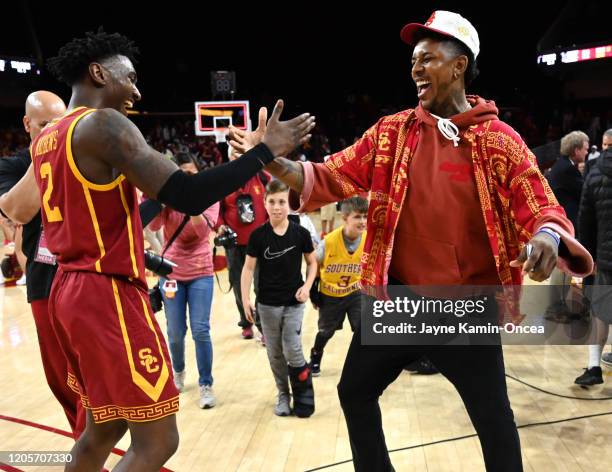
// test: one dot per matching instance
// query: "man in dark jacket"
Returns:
(606, 142)
(566, 182)
(564, 178)
(595, 233)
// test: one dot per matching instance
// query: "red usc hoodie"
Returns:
(441, 238)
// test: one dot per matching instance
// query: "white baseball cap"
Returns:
(446, 23)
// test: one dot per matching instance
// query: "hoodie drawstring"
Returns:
(448, 129)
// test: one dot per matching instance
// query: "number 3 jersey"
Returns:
(89, 227)
(340, 271)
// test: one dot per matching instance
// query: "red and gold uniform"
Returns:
(99, 303)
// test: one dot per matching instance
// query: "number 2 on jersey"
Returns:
(53, 214)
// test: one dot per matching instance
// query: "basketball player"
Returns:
(87, 165)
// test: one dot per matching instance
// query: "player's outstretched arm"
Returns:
(106, 137)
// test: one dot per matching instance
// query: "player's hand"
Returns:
(242, 140)
(282, 137)
(542, 260)
(249, 310)
(302, 294)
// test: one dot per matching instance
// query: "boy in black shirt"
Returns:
(278, 245)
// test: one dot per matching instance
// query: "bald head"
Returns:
(41, 107)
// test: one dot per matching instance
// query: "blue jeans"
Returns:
(198, 295)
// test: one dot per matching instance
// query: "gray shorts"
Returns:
(328, 212)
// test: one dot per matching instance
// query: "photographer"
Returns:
(191, 283)
(242, 211)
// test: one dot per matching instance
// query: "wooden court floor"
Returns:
(242, 434)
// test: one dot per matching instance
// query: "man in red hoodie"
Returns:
(456, 198)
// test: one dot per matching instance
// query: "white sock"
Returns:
(595, 355)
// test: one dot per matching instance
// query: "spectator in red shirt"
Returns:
(242, 211)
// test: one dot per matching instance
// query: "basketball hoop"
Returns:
(221, 135)
(215, 118)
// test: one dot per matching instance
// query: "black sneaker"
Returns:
(315, 362)
(422, 366)
(592, 376)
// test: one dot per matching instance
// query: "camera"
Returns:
(162, 267)
(227, 239)
(159, 265)
(246, 210)
(156, 299)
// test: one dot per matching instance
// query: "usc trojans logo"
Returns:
(148, 361)
(463, 31)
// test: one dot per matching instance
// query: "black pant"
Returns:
(477, 372)
(235, 262)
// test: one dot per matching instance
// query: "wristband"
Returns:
(551, 233)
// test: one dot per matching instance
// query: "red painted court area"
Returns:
(49, 429)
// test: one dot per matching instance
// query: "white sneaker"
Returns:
(179, 380)
(207, 397)
(22, 280)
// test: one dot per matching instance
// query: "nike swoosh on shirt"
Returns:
(274, 255)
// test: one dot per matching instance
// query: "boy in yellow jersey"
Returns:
(339, 258)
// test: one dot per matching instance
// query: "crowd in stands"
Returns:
(12, 139)
(341, 127)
